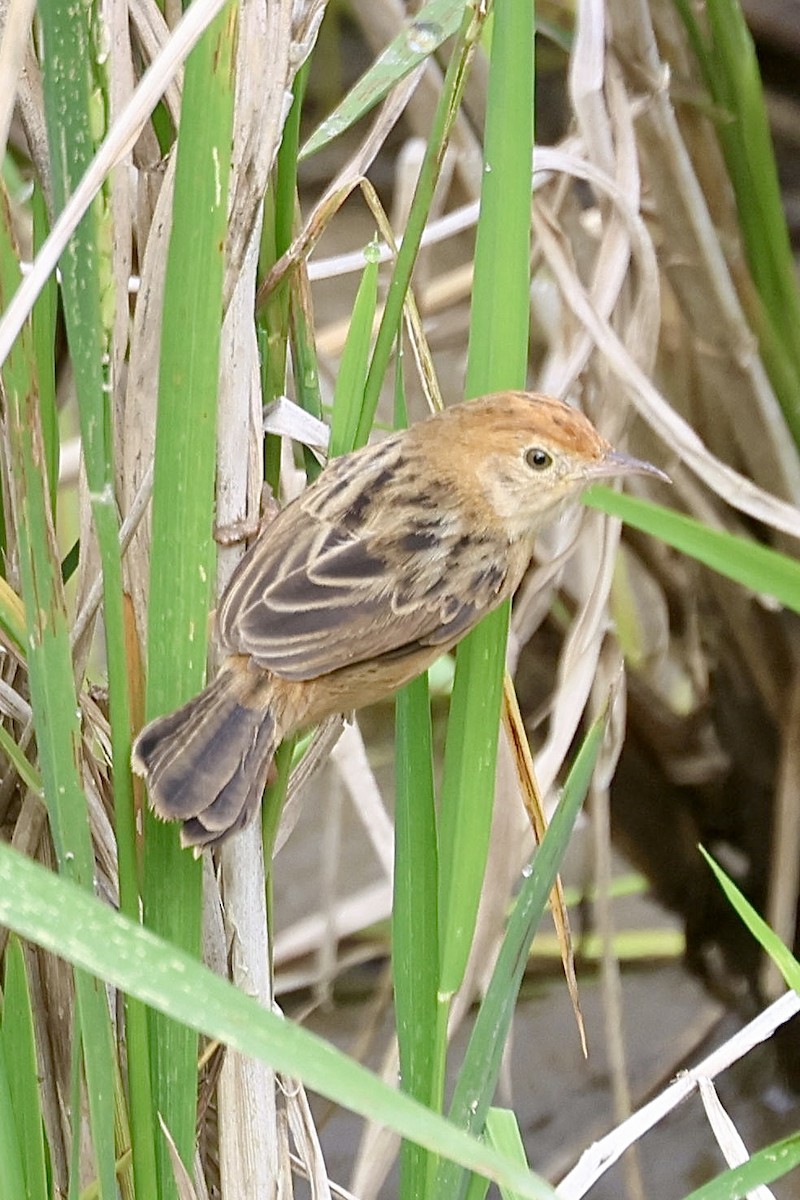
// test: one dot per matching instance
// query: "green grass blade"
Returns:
(65, 920)
(75, 1106)
(728, 61)
(21, 1069)
(751, 161)
(183, 501)
(72, 96)
(780, 954)
(444, 118)
(763, 1167)
(12, 1181)
(502, 1132)
(754, 566)
(348, 396)
(304, 353)
(415, 916)
(498, 355)
(26, 771)
(477, 1078)
(183, 486)
(422, 36)
(12, 615)
(415, 954)
(52, 689)
(500, 317)
(70, 89)
(276, 235)
(467, 790)
(477, 1188)
(55, 712)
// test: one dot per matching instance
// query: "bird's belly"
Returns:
(309, 701)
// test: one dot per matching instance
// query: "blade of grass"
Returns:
(55, 712)
(276, 236)
(466, 796)
(183, 499)
(498, 355)
(271, 331)
(751, 161)
(497, 358)
(304, 352)
(477, 1078)
(415, 917)
(64, 920)
(502, 1132)
(22, 1073)
(781, 955)
(415, 953)
(12, 615)
(26, 771)
(12, 1181)
(52, 689)
(477, 1188)
(348, 398)
(760, 568)
(748, 151)
(75, 1107)
(71, 96)
(468, 35)
(728, 61)
(765, 1166)
(422, 36)
(275, 795)
(534, 806)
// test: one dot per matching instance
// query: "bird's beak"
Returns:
(615, 464)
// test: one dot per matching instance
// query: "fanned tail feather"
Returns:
(207, 763)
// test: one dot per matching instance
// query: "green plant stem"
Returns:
(414, 915)
(446, 112)
(497, 359)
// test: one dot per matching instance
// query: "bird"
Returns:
(384, 563)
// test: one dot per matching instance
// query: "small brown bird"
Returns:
(378, 568)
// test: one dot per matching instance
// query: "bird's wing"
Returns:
(327, 586)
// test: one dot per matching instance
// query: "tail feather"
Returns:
(207, 763)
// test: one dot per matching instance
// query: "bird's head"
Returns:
(531, 453)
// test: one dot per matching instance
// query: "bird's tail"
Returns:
(207, 763)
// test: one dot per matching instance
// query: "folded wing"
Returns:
(344, 576)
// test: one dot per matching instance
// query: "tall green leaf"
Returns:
(34, 902)
(181, 571)
(52, 688)
(498, 356)
(479, 1072)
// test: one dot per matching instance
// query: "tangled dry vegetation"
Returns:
(642, 312)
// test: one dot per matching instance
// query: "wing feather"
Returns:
(342, 577)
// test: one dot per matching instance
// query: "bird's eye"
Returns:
(538, 459)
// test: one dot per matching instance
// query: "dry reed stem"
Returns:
(605, 1152)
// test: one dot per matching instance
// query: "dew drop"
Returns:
(423, 37)
(372, 251)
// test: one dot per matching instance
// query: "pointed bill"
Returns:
(616, 464)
